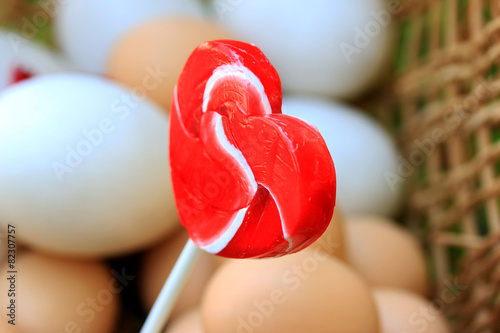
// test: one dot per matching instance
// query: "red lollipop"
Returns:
(249, 181)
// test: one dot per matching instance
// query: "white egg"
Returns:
(364, 155)
(84, 167)
(19, 53)
(335, 48)
(87, 30)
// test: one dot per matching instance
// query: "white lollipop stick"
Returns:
(157, 318)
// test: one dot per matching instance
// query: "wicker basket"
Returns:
(443, 106)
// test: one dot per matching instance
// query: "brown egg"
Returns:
(404, 311)
(59, 295)
(333, 239)
(386, 254)
(189, 322)
(151, 57)
(220, 261)
(156, 267)
(304, 292)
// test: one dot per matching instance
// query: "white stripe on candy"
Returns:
(221, 243)
(224, 239)
(234, 152)
(240, 71)
(244, 73)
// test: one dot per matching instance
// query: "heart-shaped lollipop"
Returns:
(249, 181)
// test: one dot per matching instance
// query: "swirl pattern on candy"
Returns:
(249, 181)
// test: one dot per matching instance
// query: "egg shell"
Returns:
(386, 254)
(153, 55)
(403, 311)
(304, 292)
(87, 30)
(363, 154)
(220, 261)
(157, 265)
(31, 57)
(84, 167)
(333, 240)
(60, 295)
(189, 322)
(322, 47)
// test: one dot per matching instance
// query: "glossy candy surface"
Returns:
(249, 182)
